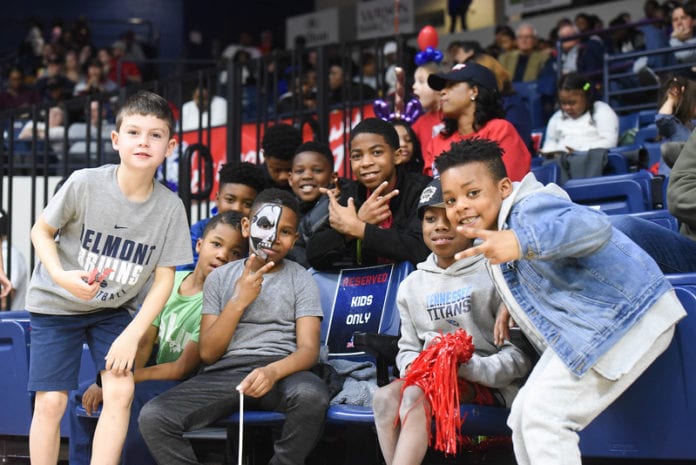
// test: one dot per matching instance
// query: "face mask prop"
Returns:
(264, 229)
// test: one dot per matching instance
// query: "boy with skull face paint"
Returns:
(260, 331)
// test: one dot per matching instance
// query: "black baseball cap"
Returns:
(465, 72)
(430, 197)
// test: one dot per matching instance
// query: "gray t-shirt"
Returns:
(267, 327)
(99, 228)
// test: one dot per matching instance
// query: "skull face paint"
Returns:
(264, 228)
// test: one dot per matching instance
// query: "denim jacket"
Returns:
(581, 283)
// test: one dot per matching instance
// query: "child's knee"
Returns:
(150, 419)
(50, 404)
(118, 390)
(385, 402)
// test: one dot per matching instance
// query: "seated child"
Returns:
(562, 272)
(238, 185)
(279, 144)
(174, 332)
(374, 220)
(260, 334)
(312, 169)
(439, 282)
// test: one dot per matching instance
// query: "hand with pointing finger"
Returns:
(344, 219)
(249, 284)
(497, 246)
(376, 208)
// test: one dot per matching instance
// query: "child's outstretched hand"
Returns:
(497, 246)
(501, 329)
(249, 284)
(76, 282)
(92, 398)
(376, 209)
(258, 382)
(121, 355)
(5, 285)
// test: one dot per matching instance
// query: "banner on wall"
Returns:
(318, 28)
(218, 145)
(376, 18)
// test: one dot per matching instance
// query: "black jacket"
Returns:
(328, 249)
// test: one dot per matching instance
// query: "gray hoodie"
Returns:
(433, 300)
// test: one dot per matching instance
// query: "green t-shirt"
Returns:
(179, 322)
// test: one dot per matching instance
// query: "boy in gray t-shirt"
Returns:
(260, 332)
(116, 227)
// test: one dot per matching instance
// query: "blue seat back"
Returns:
(616, 163)
(613, 194)
(15, 400)
(529, 94)
(656, 417)
(548, 173)
(359, 299)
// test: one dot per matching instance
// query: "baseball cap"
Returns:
(430, 197)
(465, 72)
(389, 47)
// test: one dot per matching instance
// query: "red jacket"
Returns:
(516, 156)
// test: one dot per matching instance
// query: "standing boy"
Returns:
(260, 334)
(174, 332)
(441, 296)
(117, 228)
(374, 220)
(573, 283)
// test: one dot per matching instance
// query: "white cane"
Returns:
(241, 428)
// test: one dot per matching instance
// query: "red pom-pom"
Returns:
(435, 372)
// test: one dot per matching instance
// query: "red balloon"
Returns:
(427, 37)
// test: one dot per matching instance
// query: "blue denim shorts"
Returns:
(56, 346)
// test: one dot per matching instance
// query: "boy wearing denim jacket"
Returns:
(575, 285)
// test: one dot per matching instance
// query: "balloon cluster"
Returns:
(428, 55)
(427, 43)
(410, 114)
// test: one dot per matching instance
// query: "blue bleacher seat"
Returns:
(529, 94)
(628, 122)
(547, 173)
(614, 194)
(616, 163)
(662, 217)
(645, 134)
(646, 118)
(15, 400)
(656, 417)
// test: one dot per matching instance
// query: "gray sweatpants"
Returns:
(210, 396)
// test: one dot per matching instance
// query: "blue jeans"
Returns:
(211, 396)
(135, 450)
(673, 252)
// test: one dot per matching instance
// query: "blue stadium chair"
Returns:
(342, 295)
(646, 118)
(529, 94)
(662, 217)
(628, 122)
(547, 173)
(616, 163)
(654, 152)
(15, 400)
(614, 194)
(645, 134)
(656, 417)
(480, 420)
